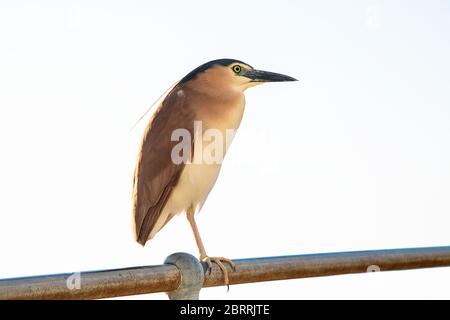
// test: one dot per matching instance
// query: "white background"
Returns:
(354, 156)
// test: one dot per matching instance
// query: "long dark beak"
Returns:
(266, 76)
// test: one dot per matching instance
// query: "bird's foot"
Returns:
(220, 263)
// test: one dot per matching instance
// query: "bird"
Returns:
(173, 173)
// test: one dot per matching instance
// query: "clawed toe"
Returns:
(220, 263)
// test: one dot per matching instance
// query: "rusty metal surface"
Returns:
(165, 278)
(327, 264)
(93, 285)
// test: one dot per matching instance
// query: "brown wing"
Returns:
(156, 174)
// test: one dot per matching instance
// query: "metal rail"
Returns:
(182, 276)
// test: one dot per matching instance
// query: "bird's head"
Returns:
(229, 73)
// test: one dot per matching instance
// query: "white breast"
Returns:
(199, 176)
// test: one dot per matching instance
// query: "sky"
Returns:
(353, 156)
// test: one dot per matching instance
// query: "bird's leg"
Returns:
(204, 257)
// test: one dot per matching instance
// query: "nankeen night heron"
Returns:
(179, 161)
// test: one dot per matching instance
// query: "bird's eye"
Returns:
(237, 68)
